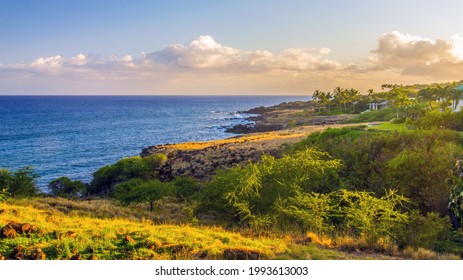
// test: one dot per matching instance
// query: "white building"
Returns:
(377, 105)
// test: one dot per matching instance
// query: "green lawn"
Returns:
(389, 127)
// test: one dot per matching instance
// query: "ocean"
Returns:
(75, 135)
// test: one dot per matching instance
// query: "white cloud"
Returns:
(52, 62)
(206, 66)
(203, 52)
(414, 55)
(79, 60)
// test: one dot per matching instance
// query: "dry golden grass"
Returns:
(71, 235)
(361, 244)
(281, 136)
(84, 230)
(166, 210)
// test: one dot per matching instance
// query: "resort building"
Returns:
(377, 105)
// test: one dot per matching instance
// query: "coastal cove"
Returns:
(75, 135)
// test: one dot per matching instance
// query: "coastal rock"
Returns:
(240, 254)
(18, 253)
(92, 258)
(9, 232)
(283, 116)
(38, 254)
(202, 163)
(251, 128)
(277, 125)
(12, 229)
(76, 257)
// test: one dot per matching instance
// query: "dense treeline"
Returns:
(407, 101)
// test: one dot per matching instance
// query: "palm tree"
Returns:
(399, 97)
(329, 97)
(427, 95)
(443, 93)
(323, 98)
(337, 96)
(341, 95)
(353, 95)
(455, 94)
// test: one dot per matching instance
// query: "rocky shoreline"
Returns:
(275, 127)
(201, 160)
(285, 116)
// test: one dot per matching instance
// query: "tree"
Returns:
(65, 187)
(186, 187)
(455, 189)
(20, 183)
(139, 191)
(372, 217)
(4, 194)
(444, 94)
(456, 94)
(105, 178)
(251, 194)
(6, 178)
(398, 96)
(427, 95)
(341, 96)
(353, 96)
(420, 171)
(322, 98)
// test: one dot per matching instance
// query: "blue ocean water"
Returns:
(75, 135)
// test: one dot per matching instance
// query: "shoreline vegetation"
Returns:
(329, 178)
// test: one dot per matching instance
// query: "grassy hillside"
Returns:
(65, 229)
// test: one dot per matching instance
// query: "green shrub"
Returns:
(310, 211)
(4, 194)
(397, 120)
(385, 114)
(20, 183)
(366, 215)
(251, 194)
(415, 162)
(430, 232)
(437, 119)
(66, 187)
(141, 191)
(187, 188)
(455, 189)
(419, 172)
(105, 178)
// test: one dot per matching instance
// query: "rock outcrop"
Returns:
(13, 229)
(201, 160)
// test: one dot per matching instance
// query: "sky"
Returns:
(292, 47)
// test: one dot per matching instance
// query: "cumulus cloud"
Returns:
(79, 60)
(52, 62)
(205, 53)
(202, 53)
(205, 66)
(415, 55)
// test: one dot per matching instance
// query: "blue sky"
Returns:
(317, 41)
